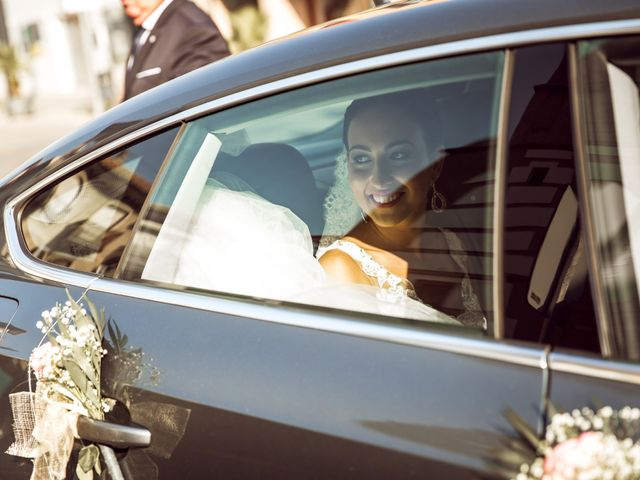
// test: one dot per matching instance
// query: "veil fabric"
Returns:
(239, 242)
(342, 213)
(236, 241)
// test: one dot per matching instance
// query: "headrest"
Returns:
(280, 173)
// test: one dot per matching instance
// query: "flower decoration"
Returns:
(584, 444)
(66, 365)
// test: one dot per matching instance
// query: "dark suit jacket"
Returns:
(183, 39)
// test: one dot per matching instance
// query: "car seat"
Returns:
(278, 173)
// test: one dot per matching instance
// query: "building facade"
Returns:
(79, 47)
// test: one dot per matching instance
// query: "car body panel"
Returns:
(334, 405)
(266, 389)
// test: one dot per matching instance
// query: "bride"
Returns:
(268, 251)
(393, 161)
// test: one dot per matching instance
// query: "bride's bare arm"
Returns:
(341, 267)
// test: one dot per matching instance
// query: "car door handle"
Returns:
(112, 434)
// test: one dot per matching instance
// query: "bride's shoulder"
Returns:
(339, 264)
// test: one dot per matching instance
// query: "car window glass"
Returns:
(547, 292)
(387, 212)
(610, 85)
(85, 220)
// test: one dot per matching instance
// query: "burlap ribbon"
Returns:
(44, 431)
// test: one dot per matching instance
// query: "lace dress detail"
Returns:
(394, 288)
(472, 316)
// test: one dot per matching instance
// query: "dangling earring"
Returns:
(364, 217)
(438, 202)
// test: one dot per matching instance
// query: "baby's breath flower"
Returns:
(81, 345)
(588, 445)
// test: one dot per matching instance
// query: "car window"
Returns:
(388, 212)
(610, 86)
(85, 220)
(547, 292)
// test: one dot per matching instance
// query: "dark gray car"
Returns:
(195, 214)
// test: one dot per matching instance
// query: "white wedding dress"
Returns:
(235, 241)
(343, 214)
(400, 291)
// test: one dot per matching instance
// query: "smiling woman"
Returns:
(394, 158)
(259, 199)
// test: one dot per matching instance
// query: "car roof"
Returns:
(393, 27)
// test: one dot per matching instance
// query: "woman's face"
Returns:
(388, 160)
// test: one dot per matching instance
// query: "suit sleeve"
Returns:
(201, 45)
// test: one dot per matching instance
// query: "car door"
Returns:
(607, 135)
(235, 371)
(80, 223)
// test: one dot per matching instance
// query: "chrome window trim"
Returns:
(594, 367)
(499, 195)
(487, 349)
(605, 334)
(346, 323)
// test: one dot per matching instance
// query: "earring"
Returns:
(438, 202)
(364, 218)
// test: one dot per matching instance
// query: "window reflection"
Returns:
(610, 76)
(85, 221)
(251, 196)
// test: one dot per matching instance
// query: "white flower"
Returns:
(43, 361)
(606, 411)
(580, 446)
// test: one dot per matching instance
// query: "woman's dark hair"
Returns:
(415, 103)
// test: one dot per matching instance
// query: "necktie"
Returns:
(137, 43)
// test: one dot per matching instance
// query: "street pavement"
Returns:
(22, 136)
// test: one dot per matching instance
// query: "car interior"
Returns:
(285, 153)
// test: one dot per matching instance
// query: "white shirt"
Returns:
(147, 26)
(152, 19)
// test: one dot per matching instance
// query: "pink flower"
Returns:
(573, 456)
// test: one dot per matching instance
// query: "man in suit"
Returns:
(172, 38)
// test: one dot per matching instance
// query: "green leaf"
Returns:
(112, 337)
(92, 308)
(552, 409)
(87, 458)
(84, 475)
(52, 338)
(63, 391)
(77, 375)
(85, 364)
(100, 322)
(523, 428)
(97, 316)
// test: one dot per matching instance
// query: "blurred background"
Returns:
(62, 61)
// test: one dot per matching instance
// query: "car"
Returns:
(196, 216)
